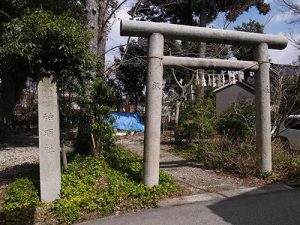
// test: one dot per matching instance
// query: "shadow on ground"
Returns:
(19, 139)
(181, 163)
(271, 208)
(31, 171)
(280, 208)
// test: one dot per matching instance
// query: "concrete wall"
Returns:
(233, 93)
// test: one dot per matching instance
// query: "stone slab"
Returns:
(49, 140)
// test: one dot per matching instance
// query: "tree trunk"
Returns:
(10, 95)
(92, 14)
(202, 51)
(102, 31)
(83, 140)
(97, 14)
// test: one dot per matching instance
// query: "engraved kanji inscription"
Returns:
(48, 132)
(47, 95)
(49, 148)
(48, 116)
(156, 86)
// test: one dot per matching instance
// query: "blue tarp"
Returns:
(128, 121)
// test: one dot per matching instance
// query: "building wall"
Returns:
(231, 94)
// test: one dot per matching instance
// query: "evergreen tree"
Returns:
(196, 13)
(246, 53)
(188, 12)
(131, 72)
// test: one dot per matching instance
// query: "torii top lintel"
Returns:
(200, 34)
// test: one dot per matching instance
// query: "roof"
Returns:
(242, 83)
(282, 69)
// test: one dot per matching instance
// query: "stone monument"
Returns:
(49, 140)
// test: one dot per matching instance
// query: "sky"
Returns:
(276, 22)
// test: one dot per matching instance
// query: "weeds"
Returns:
(102, 185)
(21, 200)
(240, 157)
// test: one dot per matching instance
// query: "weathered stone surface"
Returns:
(263, 108)
(49, 140)
(153, 110)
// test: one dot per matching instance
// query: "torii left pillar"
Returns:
(263, 108)
(153, 110)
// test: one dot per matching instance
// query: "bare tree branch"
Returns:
(293, 7)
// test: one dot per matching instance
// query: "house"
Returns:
(233, 92)
(238, 90)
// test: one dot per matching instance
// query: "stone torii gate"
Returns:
(156, 32)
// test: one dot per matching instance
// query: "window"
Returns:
(292, 123)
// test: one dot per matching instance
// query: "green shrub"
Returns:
(285, 163)
(42, 44)
(106, 185)
(131, 165)
(238, 121)
(197, 120)
(21, 200)
(101, 185)
(227, 155)
(96, 100)
(241, 157)
(230, 155)
(127, 162)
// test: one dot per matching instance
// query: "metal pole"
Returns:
(153, 110)
(263, 109)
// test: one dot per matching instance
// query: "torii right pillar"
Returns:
(263, 109)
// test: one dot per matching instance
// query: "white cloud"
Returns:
(283, 17)
(287, 55)
(271, 2)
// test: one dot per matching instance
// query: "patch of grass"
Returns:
(241, 157)
(131, 165)
(105, 184)
(21, 200)
(127, 162)
(286, 163)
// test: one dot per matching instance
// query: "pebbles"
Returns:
(192, 175)
(15, 156)
(18, 154)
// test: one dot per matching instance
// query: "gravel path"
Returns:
(190, 174)
(18, 156)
